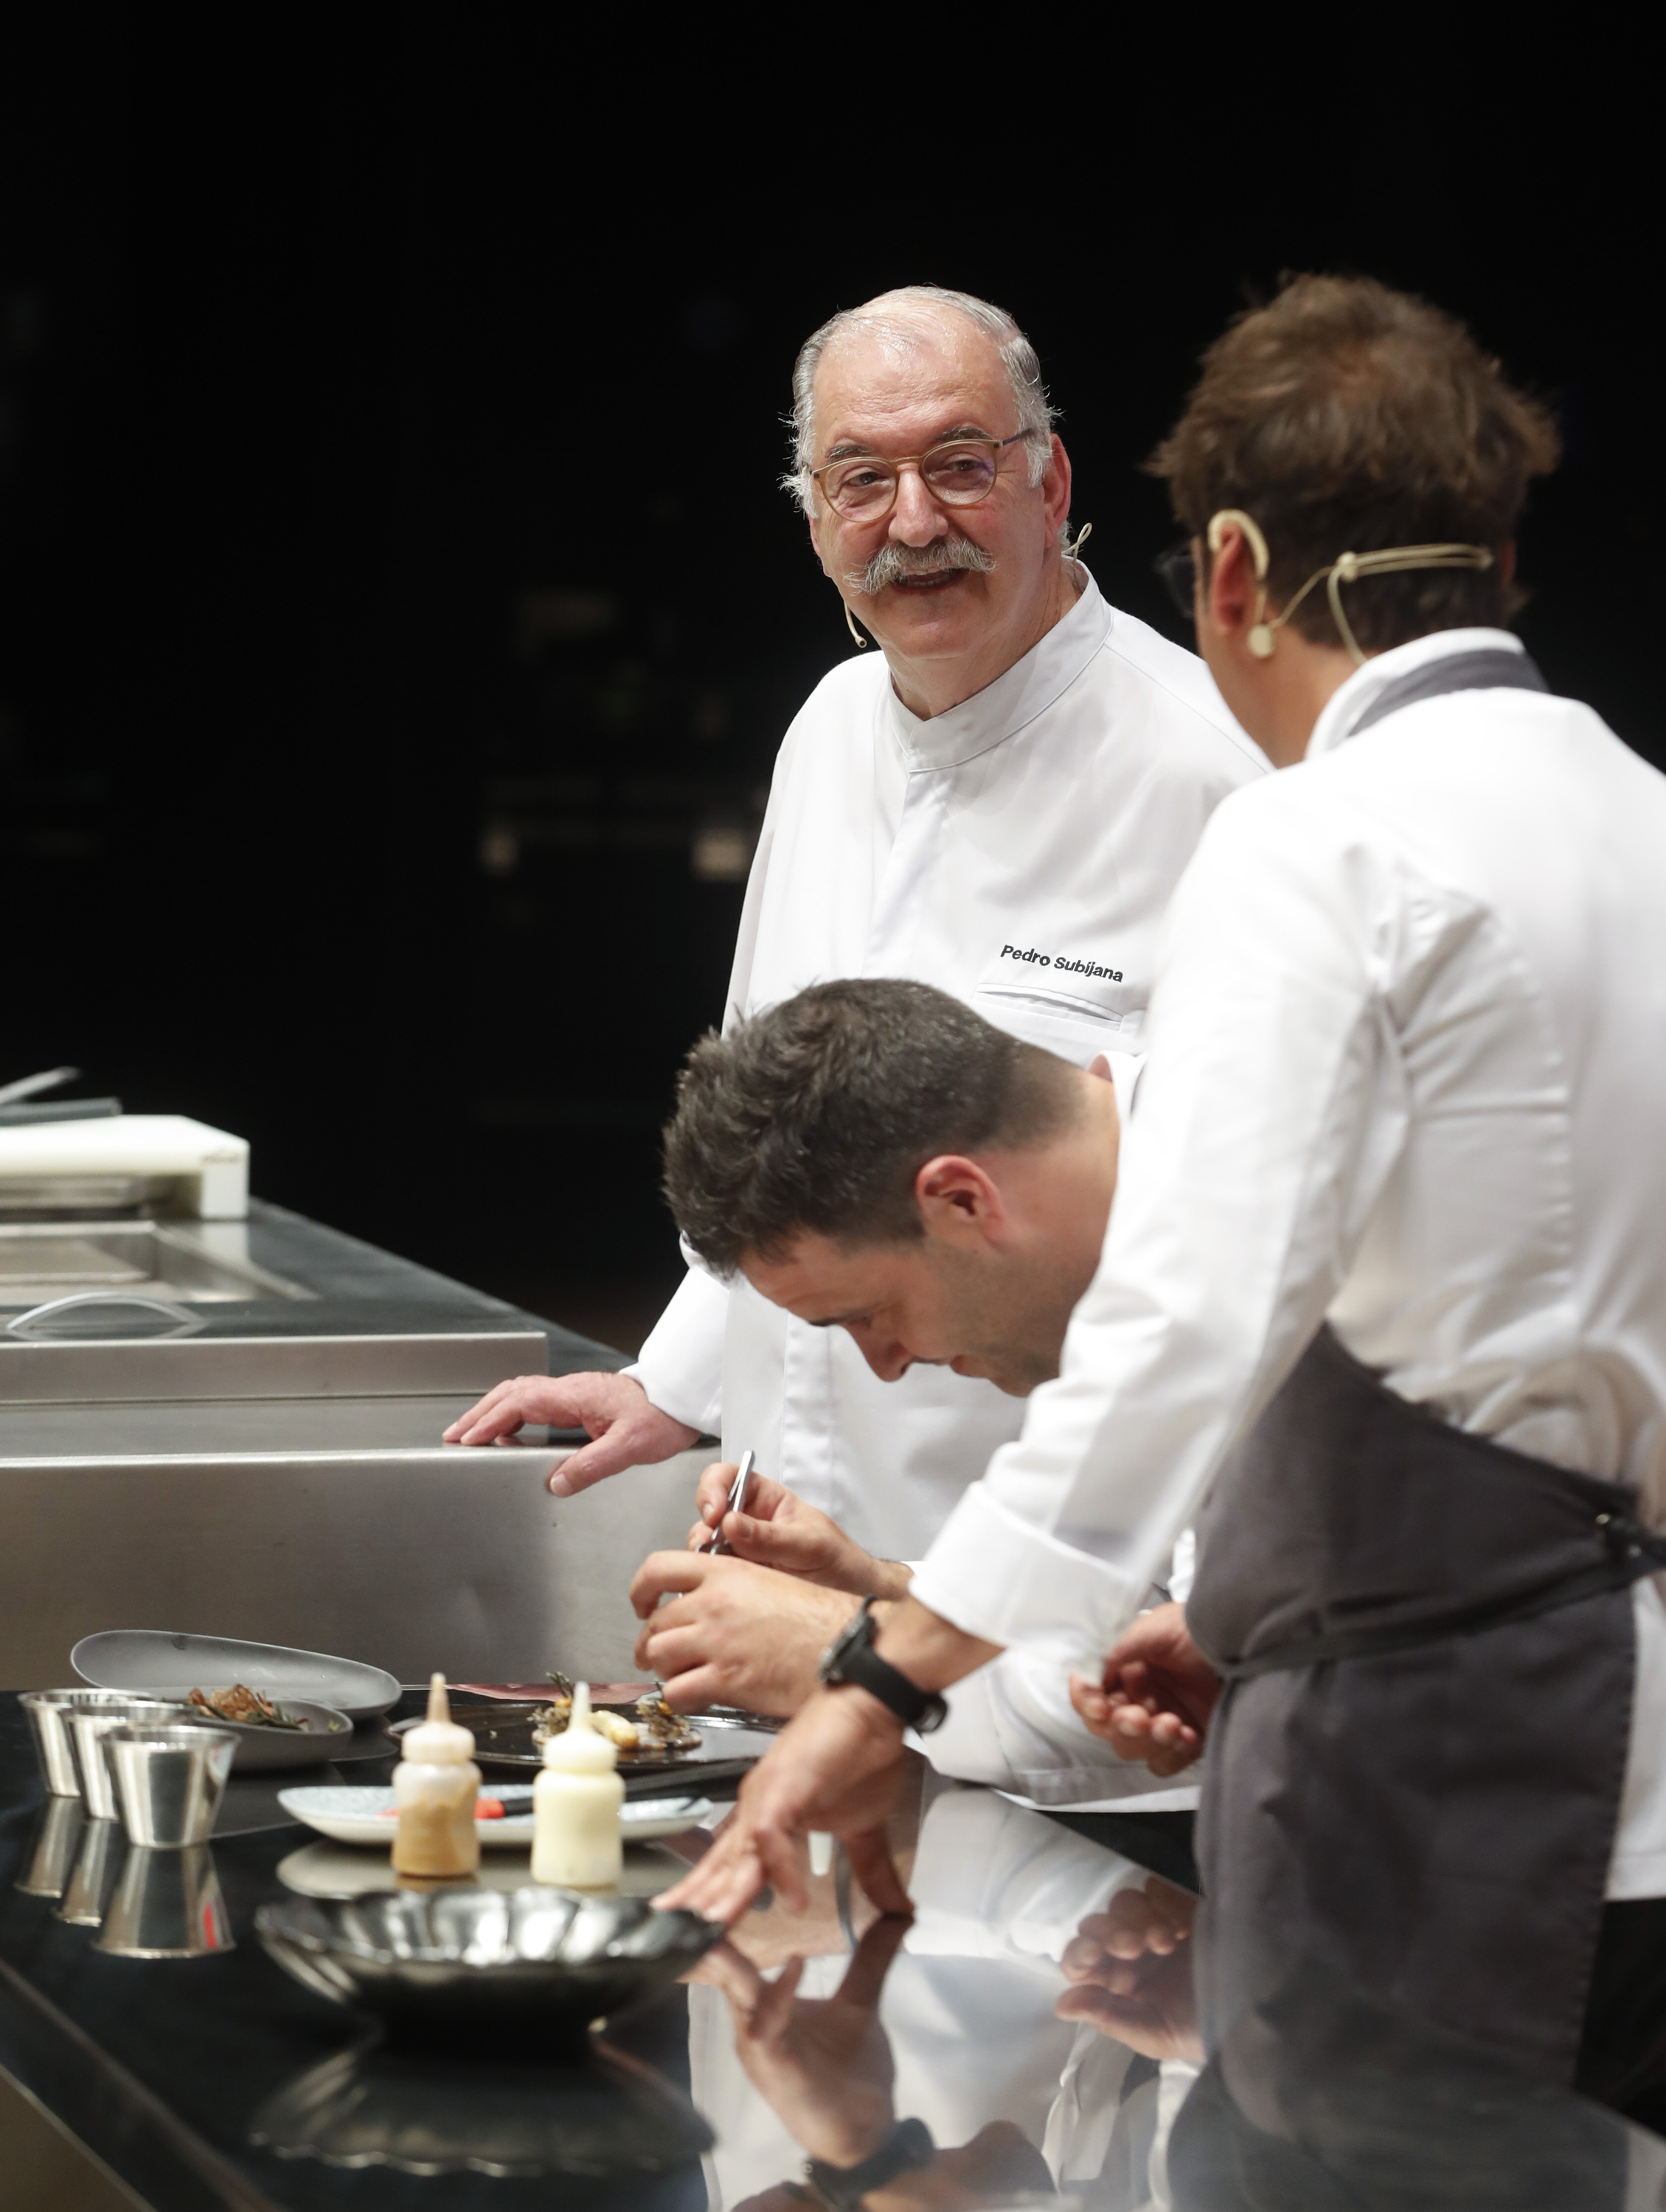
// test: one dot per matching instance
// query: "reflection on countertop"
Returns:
(1028, 2036)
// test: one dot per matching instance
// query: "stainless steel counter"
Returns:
(280, 1476)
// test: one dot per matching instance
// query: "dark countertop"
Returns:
(179, 2074)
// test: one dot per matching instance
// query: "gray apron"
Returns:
(1414, 1772)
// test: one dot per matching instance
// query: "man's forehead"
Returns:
(816, 1269)
(878, 376)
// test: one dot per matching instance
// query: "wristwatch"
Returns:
(842, 2188)
(851, 1657)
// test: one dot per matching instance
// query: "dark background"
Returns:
(397, 612)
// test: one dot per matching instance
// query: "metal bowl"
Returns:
(458, 1962)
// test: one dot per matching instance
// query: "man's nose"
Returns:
(916, 519)
(888, 1359)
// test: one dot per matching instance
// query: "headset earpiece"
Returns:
(1261, 640)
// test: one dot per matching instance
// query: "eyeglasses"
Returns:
(960, 472)
(1178, 569)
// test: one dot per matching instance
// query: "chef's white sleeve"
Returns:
(681, 1365)
(1263, 1130)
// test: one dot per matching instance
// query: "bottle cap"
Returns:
(439, 1742)
(579, 1749)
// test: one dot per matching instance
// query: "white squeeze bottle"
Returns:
(434, 1786)
(576, 1842)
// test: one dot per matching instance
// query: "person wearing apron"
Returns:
(1382, 1304)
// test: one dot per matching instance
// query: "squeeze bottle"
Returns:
(575, 1806)
(434, 1786)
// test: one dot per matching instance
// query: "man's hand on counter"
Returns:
(780, 1530)
(613, 1410)
(731, 1633)
(835, 1769)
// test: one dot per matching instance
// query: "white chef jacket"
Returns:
(1407, 1072)
(1017, 851)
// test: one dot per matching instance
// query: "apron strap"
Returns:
(1632, 1551)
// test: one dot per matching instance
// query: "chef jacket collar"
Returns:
(1004, 707)
(1344, 709)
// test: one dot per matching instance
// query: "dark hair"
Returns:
(1348, 418)
(818, 1114)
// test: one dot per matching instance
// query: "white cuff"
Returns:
(993, 1574)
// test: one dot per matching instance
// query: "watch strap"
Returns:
(906, 2145)
(852, 1659)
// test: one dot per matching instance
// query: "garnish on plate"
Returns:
(655, 1729)
(244, 1705)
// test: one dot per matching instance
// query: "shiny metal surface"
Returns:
(87, 1725)
(737, 1503)
(217, 1367)
(41, 1259)
(162, 1661)
(169, 1782)
(31, 1086)
(243, 1428)
(87, 1891)
(57, 1845)
(168, 1905)
(45, 1710)
(407, 1560)
(459, 1958)
(96, 1312)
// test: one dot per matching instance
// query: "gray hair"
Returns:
(818, 1115)
(1037, 416)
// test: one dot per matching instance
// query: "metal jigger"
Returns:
(90, 1884)
(57, 1840)
(169, 1781)
(168, 1905)
(87, 1724)
(48, 1711)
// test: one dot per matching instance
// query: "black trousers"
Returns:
(1622, 2051)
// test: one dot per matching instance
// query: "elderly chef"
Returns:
(1391, 1222)
(999, 800)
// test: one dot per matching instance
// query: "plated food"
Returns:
(707, 1747)
(300, 1734)
(650, 1727)
(244, 1705)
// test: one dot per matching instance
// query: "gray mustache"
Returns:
(893, 562)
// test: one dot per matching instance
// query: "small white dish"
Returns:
(349, 1815)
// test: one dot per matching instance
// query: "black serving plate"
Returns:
(729, 1744)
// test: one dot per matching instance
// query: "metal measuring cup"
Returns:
(87, 1725)
(169, 1781)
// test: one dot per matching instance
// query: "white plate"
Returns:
(347, 1815)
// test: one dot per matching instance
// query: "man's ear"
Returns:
(1232, 595)
(957, 1199)
(1055, 485)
